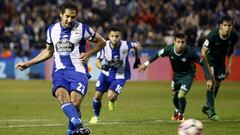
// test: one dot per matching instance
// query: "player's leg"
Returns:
(61, 90)
(101, 87)
(175, 85)
(216, 88)
(96, 107)
(175, 103)
(112, 96)
(76, 100)
(113, 92)
(186, 83)
(78, 89)
(209, 102)
(209, 107)
(182, 104)
(68, 108)
(220, 76)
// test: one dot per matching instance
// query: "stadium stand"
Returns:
(150, 21)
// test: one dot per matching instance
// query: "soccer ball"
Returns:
(190, 127)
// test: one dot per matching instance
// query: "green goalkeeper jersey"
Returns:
(182, 64)
(219, 48)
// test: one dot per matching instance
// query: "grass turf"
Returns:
(143, 108)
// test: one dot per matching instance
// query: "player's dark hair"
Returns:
(115, 28)
(179, 35)
(68, 5)
(226, 18)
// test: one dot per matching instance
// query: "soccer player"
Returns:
(113, 61)
(218, 46)
(66, 42)
(182, 58)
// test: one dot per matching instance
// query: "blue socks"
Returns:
(71, 112)
(96, 107)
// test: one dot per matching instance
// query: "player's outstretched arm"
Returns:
(152, 58)
(137, 62)
(143, 67)
(42, 56)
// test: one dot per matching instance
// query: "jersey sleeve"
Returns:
(195, 56)
(165, 51)
(88, 33)
(131, 44)
(208, 41)
(159, 53)
(49, 37)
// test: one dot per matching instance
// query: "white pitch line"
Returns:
(24, 120)
(27, 126)
(100, 123)
(152, 122)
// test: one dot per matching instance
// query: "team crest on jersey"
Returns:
(184, 59)
(172, 57)
(64, 47)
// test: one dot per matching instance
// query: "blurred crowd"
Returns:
(23, 23)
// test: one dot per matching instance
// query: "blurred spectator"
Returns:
(145, 20)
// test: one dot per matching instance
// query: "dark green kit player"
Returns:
(182, 58)
(219, 45)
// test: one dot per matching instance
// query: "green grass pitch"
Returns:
(143, 108)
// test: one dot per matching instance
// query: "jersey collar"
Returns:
(178, 54)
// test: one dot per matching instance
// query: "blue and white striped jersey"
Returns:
(117, 58)
(68, 44)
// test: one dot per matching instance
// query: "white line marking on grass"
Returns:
(151, 122)
(24, 120)
(100, 123)
(27, 126)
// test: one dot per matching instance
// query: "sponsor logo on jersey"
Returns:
(221, 76)
(64, 47)
(161, 52)
(206, 43)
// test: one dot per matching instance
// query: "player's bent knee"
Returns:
(76, 102)
(98, 98)
(181, 94)
(174, 93)
(112, 97)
